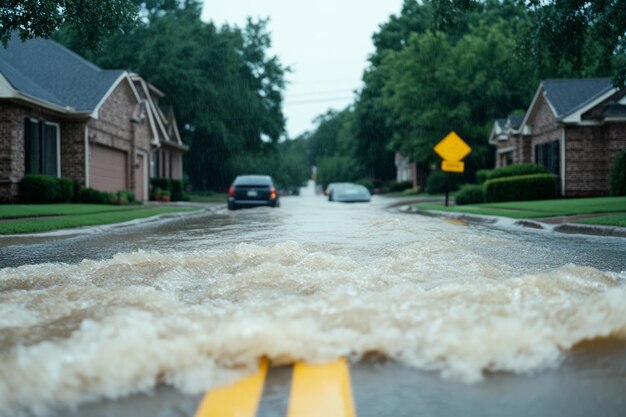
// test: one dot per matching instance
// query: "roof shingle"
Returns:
(48, 71)
(568, 95)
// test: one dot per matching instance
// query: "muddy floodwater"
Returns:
(431, 313)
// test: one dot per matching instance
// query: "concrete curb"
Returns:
(568, 228)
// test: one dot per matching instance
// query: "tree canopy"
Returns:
(442, 65)
(93, 20)
(226, 90)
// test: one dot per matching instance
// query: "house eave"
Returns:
(65, 111)
(575, 115)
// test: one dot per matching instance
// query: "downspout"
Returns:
(563, 153)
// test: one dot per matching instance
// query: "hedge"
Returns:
(521, 188)
(514, 170)
(470, 194)
(618, 174)
(436, 182)
(397, 186)
(43, 189)
(91, 196)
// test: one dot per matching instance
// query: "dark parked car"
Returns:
(350, 193)
(252, 191)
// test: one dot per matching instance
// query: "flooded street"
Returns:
(505, 321)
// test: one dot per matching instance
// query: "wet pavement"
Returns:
(453, 319)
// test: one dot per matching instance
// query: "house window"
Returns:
(548, 155)
(155, 164)
(42, 147)
(170, 165)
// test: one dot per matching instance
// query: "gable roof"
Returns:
(514, 121)
(569, 94)
(76, 84)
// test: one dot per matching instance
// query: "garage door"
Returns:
(107, 169)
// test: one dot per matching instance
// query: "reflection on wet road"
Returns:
(194, 303)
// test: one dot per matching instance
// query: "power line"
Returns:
(320, 100)
(317, 93)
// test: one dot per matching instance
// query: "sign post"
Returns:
(452, 149)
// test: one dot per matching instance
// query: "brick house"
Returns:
(61, 115)
(574, 127)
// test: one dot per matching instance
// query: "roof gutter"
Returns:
(69, 111)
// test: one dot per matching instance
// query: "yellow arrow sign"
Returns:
(452, 148)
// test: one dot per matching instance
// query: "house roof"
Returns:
(76, 83)
(567, 95)
(515, 121)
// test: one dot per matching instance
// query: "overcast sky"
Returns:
(325, 42)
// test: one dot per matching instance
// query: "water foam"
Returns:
(75, 333)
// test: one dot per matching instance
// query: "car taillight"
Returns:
(231, 191)
(272, 192)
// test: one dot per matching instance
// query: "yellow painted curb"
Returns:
(321, 390)
(238, 400)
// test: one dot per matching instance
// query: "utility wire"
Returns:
(320, 100)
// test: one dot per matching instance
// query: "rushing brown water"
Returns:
(205, 298)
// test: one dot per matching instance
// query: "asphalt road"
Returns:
(438, 319)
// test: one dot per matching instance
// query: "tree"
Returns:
(92, 20)
(436, 85)
(226, 90)
(564, 37)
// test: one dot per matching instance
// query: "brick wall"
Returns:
(12, 157)
(544, 127)
(587, 166)
(590, 152)
(73, 151)
(115, 128)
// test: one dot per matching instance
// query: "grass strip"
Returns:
(618, 220)
(16, 211)
(34, 225)
(208, 197)
(538, 209)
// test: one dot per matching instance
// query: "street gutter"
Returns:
(568, 228)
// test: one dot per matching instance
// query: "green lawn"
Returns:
(44, 218)
(615, 220)
(537, 209)
(15, 211)
(207, 197)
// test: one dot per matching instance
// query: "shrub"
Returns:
(160, 194)
(618, 174)
(436, 182)
(125, 197)
(366, 182)
(521, 188)
(470, 194)
(395, 186)
(514, 170)
(482, 175)
(175, 188)
(91, 196)
(41, 189)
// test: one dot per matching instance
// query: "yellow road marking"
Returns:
(238, 400)
(321, 390)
